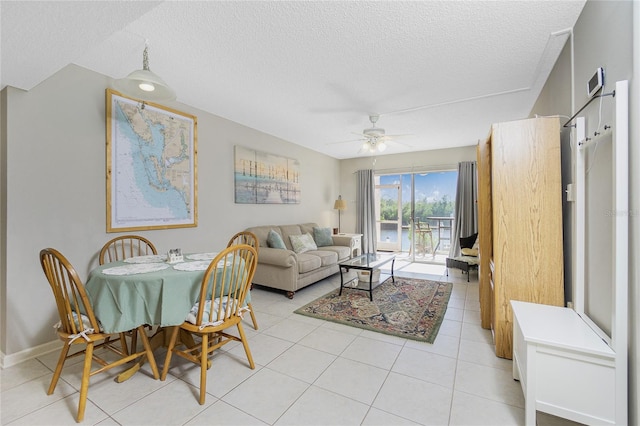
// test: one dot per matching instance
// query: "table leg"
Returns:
(393, 278)
(371, 285)
(341, 281)
(160, 338)
(128, 373)
(155, 342)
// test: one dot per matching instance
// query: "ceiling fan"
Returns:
(374, 138)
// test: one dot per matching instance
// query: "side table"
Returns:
(352, 240)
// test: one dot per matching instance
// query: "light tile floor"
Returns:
(308, 372)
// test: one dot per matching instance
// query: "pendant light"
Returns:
(144, 84)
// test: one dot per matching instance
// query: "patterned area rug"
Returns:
(409, 308)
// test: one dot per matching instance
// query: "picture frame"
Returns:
(151, 165)
(263, 178)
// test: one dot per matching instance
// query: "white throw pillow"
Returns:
(302, 243)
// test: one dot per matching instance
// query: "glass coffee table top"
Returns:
(367, 262)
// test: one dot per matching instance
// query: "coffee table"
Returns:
(366, 262)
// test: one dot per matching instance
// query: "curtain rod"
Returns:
(414, 169)
(585, 105)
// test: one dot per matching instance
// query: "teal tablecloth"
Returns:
(124, 302)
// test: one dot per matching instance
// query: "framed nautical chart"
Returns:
(151, 166)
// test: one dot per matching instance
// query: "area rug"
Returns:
(409, 308)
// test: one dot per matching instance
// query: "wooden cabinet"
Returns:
(520, 211)
(485, 240)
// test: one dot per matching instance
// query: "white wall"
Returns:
(604, 36)
(56, 193)
(416, 161)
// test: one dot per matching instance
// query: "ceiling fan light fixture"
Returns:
(381, 146)
(144, 84)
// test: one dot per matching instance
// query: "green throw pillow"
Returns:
(322, 236)
(274, 240)
(302, 243)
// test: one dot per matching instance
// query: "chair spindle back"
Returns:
(225, 285)
(69, 292)
(124, 247)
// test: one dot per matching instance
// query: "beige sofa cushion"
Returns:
(262, 233)
(308, 262)
(343, 252)
(327, 257)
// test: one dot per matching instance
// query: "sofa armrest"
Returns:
(341, 240)
(277, 257)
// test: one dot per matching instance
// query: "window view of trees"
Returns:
(433, 196)
(432, 199)
(443, 207)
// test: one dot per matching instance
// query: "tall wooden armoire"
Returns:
(520, 222)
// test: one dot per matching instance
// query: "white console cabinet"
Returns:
(564, 367)
(354, 241)
(572, 363)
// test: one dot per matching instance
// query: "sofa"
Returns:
(284, 265)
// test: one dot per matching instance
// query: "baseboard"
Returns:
(7, 361)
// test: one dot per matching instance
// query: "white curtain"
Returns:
(366, 210)
(466, 205)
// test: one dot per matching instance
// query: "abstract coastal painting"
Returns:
(263, 178)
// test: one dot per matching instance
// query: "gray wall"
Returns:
(55, 193)
(603, 37)
(3, 216)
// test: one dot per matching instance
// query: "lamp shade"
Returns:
(340, 204)
(144, 84)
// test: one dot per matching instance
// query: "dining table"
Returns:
(147, 290)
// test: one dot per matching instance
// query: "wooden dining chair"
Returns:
(79, 326)
(246, 237)
(124, 247)
(220, 306)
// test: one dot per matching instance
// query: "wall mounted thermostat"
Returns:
(596, 82)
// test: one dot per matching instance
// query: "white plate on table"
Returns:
(198, 265)
(152, 258)
(202, 256)
(135, 268)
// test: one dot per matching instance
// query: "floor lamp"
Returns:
(339, 205)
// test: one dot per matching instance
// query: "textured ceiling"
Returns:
(310, 72)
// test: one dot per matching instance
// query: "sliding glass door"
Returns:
(389, 215)
(415, 213)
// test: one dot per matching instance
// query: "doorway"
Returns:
(415, 214)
